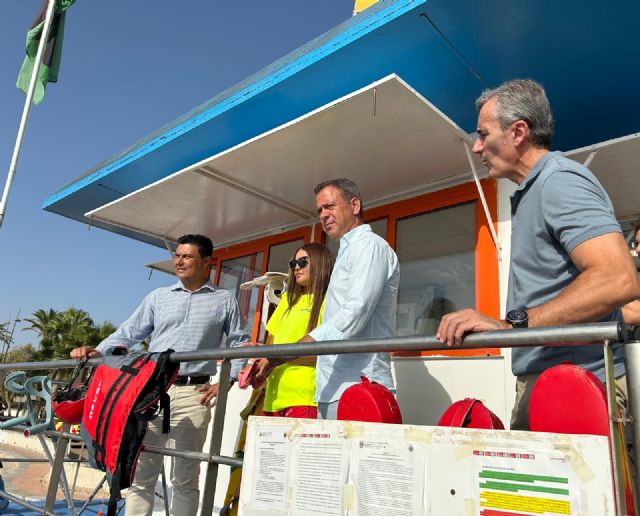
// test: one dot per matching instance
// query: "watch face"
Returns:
(517, 318)
(517, 315)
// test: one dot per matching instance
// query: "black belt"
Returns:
(191, 380)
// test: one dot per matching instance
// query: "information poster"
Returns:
(340, 468)
(388, 477)
(271, 452)
(322, 462)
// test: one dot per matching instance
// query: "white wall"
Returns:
(426, 386)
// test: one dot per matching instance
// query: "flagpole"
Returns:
(27, 107)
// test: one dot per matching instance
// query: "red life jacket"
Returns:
(124, 395)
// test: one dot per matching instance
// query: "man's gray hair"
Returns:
(522, 99)
(347, 188)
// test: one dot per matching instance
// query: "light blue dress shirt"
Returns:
(176, 318)
(361, 303)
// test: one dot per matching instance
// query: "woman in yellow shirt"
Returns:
(290, 387)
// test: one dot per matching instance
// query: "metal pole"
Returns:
(614, 442)
(93, 494)
(165, 495)
(24, 503)
(57, 473)
(186, 454)
(9, 340)
(551, 336)
(483, 200)
(158, 450)
(77, 471)
(216, 438)
(27, 107)
(38, 460)
(632, 367)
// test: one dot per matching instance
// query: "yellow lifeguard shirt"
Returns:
(291, 385)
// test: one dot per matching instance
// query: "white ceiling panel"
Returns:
(386, 137)
(616, 164)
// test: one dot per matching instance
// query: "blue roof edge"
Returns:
(340, 36)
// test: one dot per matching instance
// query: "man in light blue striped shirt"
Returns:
(361, 299)
(191, 315)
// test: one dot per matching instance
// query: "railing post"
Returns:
(57, 472)
(632, 366)
(216, 438)
(614, 441)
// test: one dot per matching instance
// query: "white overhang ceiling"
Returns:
(616, 164)
(162, 266)
(386, 137)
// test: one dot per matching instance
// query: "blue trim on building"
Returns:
(583, 52)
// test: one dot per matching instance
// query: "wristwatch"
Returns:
(518, 318)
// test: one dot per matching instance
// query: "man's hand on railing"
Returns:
(84, 352)
(454, 326)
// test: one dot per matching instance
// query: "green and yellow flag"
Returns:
(50, 66)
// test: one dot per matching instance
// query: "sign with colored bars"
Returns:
(534, 494)
(517, 482)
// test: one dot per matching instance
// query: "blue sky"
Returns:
(127, 69)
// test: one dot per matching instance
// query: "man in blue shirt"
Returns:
(361, 298)
(188, 316)
(569, 261)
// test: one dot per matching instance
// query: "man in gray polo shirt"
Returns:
(569, 261)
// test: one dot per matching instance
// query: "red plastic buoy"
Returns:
(369, 401)
(470, 413)
(568, 399)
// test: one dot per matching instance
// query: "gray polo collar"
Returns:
(537, 168)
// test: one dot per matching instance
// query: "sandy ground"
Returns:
(30, 480)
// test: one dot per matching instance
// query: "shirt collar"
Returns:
(207, 286)
(531, 177)
(348, 237)
(536, 169)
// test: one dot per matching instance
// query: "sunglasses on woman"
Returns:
(301, 262)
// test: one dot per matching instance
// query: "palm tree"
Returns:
(74, 328)
(60, 332)
(5, 334)
(101, 332)
(6, 339)
(45, 324)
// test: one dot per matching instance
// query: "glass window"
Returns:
(235, 272)
(436, 251)
(379, 227)
(279, 255)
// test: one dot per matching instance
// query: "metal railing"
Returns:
(605, 333)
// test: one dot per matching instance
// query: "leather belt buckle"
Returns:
(191, 380)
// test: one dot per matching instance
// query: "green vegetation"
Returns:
(60, 332)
